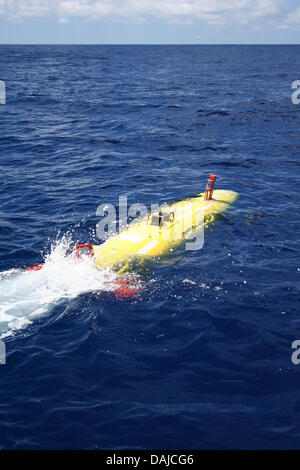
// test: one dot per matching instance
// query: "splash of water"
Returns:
(27, 295)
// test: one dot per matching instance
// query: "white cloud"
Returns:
(292, 20)
(17, 9)
(212, 11)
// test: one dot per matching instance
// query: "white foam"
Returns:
(27, 295)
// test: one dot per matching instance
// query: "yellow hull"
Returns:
(160, 233)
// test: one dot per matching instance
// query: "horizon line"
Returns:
(147, 44)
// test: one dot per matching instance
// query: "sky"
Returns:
(149, 21)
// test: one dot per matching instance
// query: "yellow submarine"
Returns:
(159, 233)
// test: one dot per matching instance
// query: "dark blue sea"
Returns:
(200, 358)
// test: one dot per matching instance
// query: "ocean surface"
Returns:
(200, 356)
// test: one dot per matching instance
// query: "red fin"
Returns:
(126, 288)
(35, 268)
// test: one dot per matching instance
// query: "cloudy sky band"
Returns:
(213, 16)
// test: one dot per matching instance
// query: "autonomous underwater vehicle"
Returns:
(159, 233)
